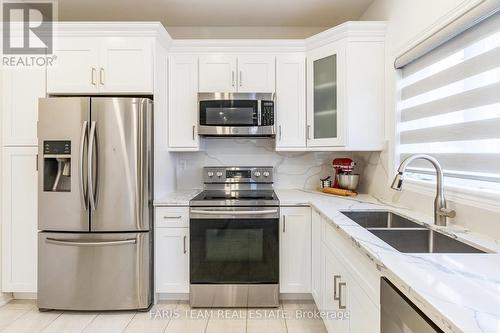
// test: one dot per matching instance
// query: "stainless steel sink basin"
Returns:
(422, 241)
(407, 236)
(380, 219)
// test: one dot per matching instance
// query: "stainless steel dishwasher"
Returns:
(400, 315)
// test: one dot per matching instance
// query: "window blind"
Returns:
(450, 107)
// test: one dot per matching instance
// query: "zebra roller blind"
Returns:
(450, 108)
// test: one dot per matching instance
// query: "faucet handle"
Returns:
(447, 212)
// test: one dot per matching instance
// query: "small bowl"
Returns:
(348, 182)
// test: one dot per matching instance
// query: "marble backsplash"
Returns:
(292, 169)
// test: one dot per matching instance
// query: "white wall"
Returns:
(407, 19)
(292, 170)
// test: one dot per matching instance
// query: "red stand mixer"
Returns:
(342, 166)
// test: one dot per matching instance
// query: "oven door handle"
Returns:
(235, 212)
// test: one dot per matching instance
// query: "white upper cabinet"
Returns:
(232, 73)
(21, 89)
(183, 102)
(290, 102)
(325, 95)
(101, 65)
(256, 73)
(217, 73)
(345, 89)
(75, 69)
(295, 250)
(126, 65)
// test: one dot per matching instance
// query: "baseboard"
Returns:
(5, 298)
(172, 297)
(296, 297)
(24, 295)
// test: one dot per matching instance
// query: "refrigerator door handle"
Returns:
(83, 187)
(140, 166)
(79, 243)
(92, 143)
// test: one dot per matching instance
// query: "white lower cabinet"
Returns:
(172, 260)
(316, 221)
(19, 219)
(172, 250)
(347, 297)
(295, 250)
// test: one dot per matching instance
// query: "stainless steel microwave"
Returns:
(236, 114)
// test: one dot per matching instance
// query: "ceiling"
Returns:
(217, 13)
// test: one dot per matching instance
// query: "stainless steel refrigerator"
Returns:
(95, 192)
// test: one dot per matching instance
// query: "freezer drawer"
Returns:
(101, 271)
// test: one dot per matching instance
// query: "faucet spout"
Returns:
(441, 213)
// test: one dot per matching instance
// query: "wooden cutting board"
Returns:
(339, 192)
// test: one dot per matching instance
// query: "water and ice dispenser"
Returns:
(57, 166)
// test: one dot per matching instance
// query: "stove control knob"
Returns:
(257, 173)
(219, 174)
(265, 174)
(210, 174)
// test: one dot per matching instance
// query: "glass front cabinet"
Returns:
(325, 96)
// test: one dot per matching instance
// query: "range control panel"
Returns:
(219, 175)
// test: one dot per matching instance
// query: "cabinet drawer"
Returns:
(172, 217)
(360, 266)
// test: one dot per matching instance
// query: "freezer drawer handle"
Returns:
(103, 243)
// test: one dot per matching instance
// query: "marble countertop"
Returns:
(178, 198)
(459, 292)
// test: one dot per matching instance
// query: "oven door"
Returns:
(234, 245)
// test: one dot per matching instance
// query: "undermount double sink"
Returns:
(407, 236)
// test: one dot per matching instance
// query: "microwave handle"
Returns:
(259, 112)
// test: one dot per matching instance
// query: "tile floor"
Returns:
(23, 316)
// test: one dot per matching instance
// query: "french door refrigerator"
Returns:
(95, 191)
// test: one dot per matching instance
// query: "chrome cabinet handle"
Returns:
(78, 243)
(101, 75)
(194, 130)
(335, 278)
(90, 158)
(93, 76)
(279, 132)
(308, 132)
(284, 223)
(232, 77)
(83, 188)
(341, 306)
(171, 217)
(240, 79)
(184, 244)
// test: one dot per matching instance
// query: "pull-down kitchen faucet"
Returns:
(440, 210)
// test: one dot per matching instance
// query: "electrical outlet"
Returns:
(182, 164)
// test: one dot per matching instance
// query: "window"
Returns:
(450, 109)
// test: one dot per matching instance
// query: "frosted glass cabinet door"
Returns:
(325, 120)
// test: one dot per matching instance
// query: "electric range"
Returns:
(234, 239)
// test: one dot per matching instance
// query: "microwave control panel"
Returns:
(267, 113)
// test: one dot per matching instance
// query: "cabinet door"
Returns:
(295, 250)
(256, 73)
(316, 289)
(361, 306)
(172, 260)
(325, 109)
(182, 103)
(217, 73)
(291, 101)
(19, 219)
(76, 67)
(126, 65)
(21, 89)
(335, 293)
